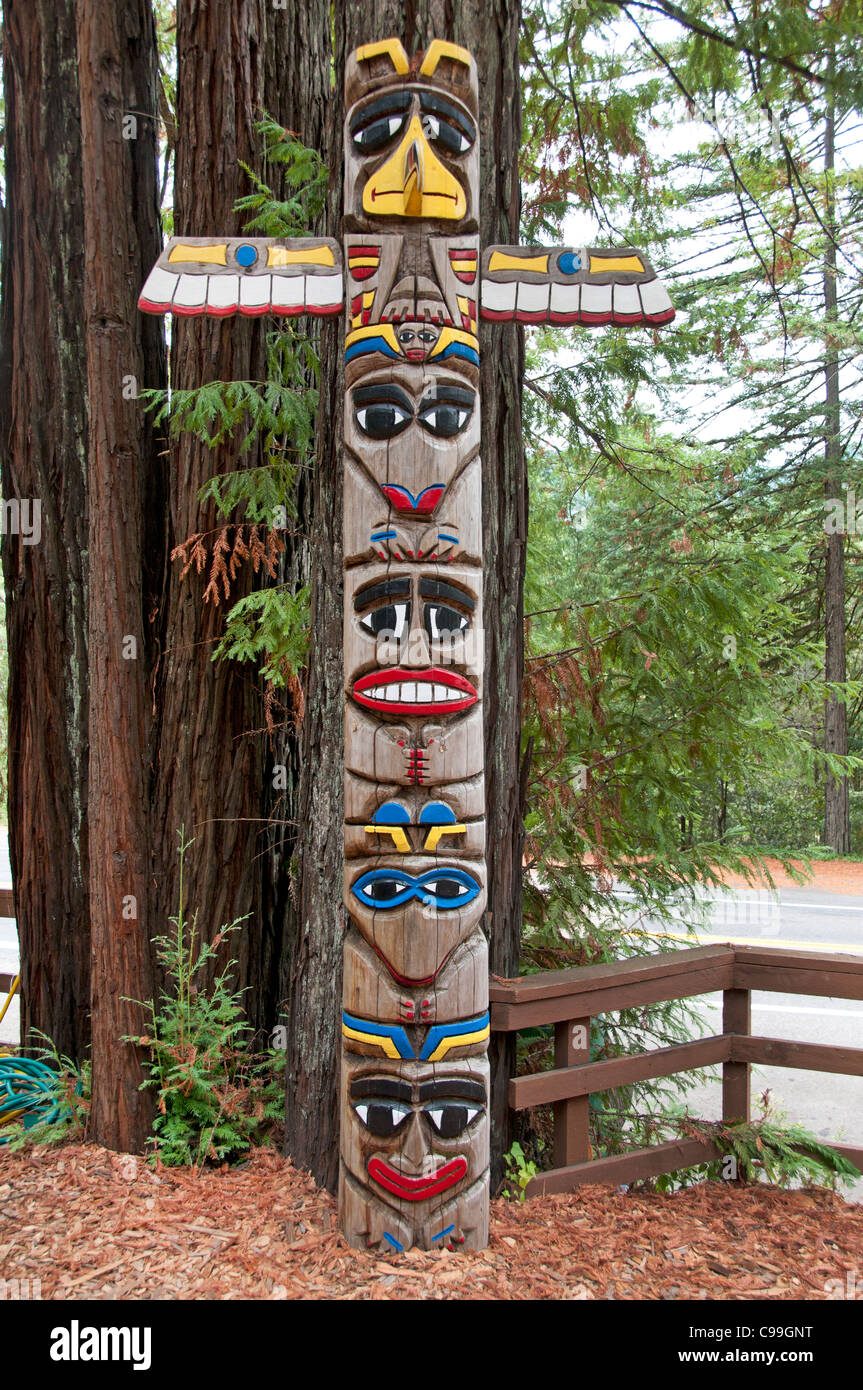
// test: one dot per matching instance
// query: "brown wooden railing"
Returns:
(7, 909)
(569, 999)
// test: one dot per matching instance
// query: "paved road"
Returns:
(800, 919)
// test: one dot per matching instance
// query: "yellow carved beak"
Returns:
(414, 183)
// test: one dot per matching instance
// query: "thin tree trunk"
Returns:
(490, 31)
(117, 68)
(837, 825)
(43, 428)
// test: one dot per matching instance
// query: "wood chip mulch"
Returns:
(90, 1224)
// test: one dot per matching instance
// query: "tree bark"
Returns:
(215, 770)
(490, 31)
(837, 823)
(43, 428)
(125, 349)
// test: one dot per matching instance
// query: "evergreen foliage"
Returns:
(216, 1096)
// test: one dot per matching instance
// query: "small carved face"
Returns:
(416, 1132)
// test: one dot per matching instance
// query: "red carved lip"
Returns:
(418, 1189)
(396, 690)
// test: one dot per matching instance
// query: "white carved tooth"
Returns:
(424, 693)
(289, 294)
(595, 299)
(532, 298)
(499, 298)
(626, 301)
(255, 293)
(654, 298)
(391, 693)
(324, 291)
(223, 293)
(159, 288)
(565, 299)
(409, 693)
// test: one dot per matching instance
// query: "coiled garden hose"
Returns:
(28, 1093)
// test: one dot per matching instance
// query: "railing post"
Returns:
(736, 1018)
(571, 1117)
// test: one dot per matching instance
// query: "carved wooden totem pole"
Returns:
(415, 1023)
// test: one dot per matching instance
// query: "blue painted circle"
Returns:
(246, 255)
(569, 263)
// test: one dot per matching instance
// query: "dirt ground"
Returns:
(827, 876)
(89, 1224)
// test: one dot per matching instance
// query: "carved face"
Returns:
(415, 909)
(412, 153)
(413, 641)
(414, 430)
(415, 1134)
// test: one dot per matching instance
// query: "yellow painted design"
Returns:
(204, 255)
(414, 183)
(437, 831)
(387, 1046)
(316, 255)
(400, 839)
(375, 330)
(360, 261)
(459, 1040)
(453, 335)
(387, 48)
(599, 265)
(439, 48)
(499, 260)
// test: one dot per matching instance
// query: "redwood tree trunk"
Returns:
(837, 823)
(43, 428)
(234, 58)
(117, 74)
(490, 31)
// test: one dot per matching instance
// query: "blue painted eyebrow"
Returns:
(436, 813)
(391, 813)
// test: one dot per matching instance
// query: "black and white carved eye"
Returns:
(382, 411)
(449, 1119)
(383, 419)
(448, 890)
(389, 621)
(443, 623)
(445, 125)
(382, 1117)
(446, 410)
(380, 122)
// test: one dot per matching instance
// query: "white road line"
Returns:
(802, 1009)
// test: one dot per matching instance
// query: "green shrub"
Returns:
(216, 1096)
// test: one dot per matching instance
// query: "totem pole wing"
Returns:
(568, 284)
(218, 276)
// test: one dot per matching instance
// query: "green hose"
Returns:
(28, 1093)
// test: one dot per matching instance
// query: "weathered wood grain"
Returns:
(459, 989)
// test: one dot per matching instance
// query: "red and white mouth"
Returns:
(397, 691)
(418, 1189)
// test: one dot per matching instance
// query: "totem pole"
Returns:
(415, 1022)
